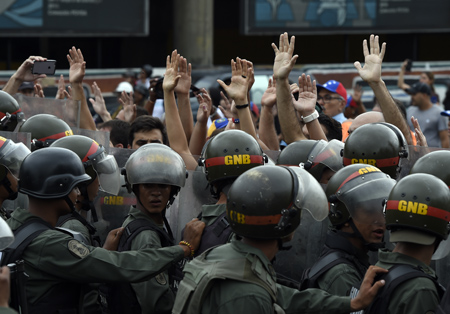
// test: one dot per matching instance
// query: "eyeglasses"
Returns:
(327, 98)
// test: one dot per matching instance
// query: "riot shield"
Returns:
(112, 209)
(100, 137)
(21, 200)
(65, 109)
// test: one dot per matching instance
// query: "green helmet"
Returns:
(156, 163)
(229, 154)
(358, 192)
(10, 112)
(377, 144)
(266, 202)
(51, 173)
(95, 160)
(435, 163)
(45, 129)
(418, 209)
(315, 156)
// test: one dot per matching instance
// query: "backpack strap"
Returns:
(311, 275)
(23, 236)
(397, 275)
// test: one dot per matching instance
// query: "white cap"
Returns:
(124, 86)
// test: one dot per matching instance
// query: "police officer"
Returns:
(104, 174)
(225, 157)
(11, 156)
(155, 173)
(320, 158)
(417, 215)
(264, 207)
(56, 263)
(45, 129)
(10, 112)
(356, 196)
(378, 144)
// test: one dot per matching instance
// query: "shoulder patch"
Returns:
(161, 279)
(77, 248)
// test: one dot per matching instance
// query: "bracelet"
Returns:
(189, 246)
(236, 120)
(241, 106)
(313, 116)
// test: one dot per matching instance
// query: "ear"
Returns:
(120, 145)
(129, 146)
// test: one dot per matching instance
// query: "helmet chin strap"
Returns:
(77, 216)
(356, 234)
(86, 203)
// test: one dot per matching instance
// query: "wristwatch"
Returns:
(313, 116)
(241, 106)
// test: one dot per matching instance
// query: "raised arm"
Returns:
(282, 66)
(267, 131)
(98, 103)
(173, 123)
(401, 76)
(371, 73)
(76, 75)
(184, 104)
(198, 138)
(23, 74)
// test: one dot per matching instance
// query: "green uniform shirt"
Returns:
(7, 310)
(229, 296)
(211, 212)
(415, 296)
(76, 225)
(54, 257)
(154, 295)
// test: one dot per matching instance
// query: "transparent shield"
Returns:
(108, 173)
(17, 137)
(65, 109)
(442, 250)
(415, 152)
(100, 137)
(330, 156)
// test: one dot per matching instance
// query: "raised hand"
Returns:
(284, 61)
(171, 77)
(204, 108)
(251, 80)
(38, 91)
(371, 72)
(24, 74)
(98, 103)
(227, 107)
(240, 78)
(420, 137)
(184, 71)
(269, 98)
(61, 93)
(77, 65)
(307, 96)
(129, 108)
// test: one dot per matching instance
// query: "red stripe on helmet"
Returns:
(219, 161)
(2, 114)
(379, 163)
(258, 220)
(431, 211)
(56, 136)
(92, 150)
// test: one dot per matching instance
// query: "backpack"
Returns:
(120, 297)
(219, 232)
(397, 275)
(333, 258)
(200, 276)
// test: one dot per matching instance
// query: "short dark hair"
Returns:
(333, 127)
(119, 131)
(141, 111)
(147, 123)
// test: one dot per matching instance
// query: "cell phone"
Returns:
(408, 65)
(44, 67)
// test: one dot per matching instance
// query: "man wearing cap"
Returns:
(332, 96)
(27, 89)
(433, 125)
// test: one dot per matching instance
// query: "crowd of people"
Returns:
(309, 155)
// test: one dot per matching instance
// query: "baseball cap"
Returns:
(254, 109)
(412, 236)
(334, 87)
(445, 113)
(419, 87)
(217, 124)
(351, 102)
(26, 85)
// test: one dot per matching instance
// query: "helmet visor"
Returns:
(12, 156)
(107, 171)
(330, 156)
(310, 195)
(365, 202)
(442, 250)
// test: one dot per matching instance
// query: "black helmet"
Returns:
(10, 112)
(51, 173)
(315, 156)
(95, 160)
(418, 209)
(45, 129)
(435, 163)
(11, 157)
(377, 144)
(229, 154)
(359, 192)
(266, 202)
